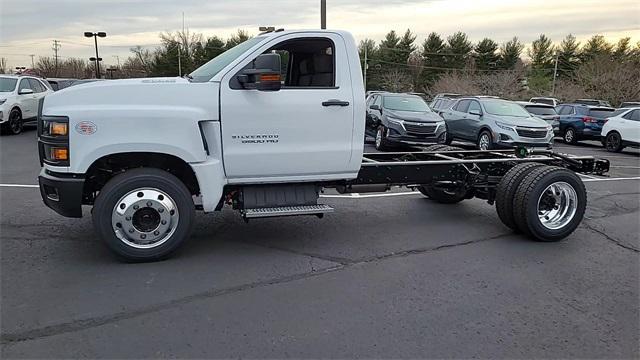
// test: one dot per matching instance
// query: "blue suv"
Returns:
(582, 122)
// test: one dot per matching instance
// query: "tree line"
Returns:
(453, 63)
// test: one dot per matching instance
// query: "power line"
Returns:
(56, 47)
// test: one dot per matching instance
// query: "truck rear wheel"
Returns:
(549, 203)
(144, 214)
(506, 191)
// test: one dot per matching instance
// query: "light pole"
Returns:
(97, 59)
(323, 14)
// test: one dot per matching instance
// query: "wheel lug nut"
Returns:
(149, 203)
(128, 218)
(160, 210)
(156, 232)
(131, 231)
(135, 207)
(143, 236)
(163, 222)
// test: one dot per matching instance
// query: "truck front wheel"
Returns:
(144, 214)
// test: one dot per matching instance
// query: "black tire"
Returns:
(443, 196)
(14, 125)
(613, 142)
(381, 142)
(481, 137)
(506, 191)
(570, 136)
(141, 178)
(530, 193)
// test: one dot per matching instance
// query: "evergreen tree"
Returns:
(486, 56)
(596, 46)
(541, 53)
(432, 49)
(510, 54)
(239, 37)
(568, 55)
(458, 50)
(623, 50)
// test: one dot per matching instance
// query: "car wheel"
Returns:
(484, 141)
(569, 136)
(14, 125)
(613, 142)
(506, 190)
(381, 141)
(144, 214)
(549, 203)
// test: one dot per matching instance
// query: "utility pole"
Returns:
(117, 59)
(32, 63)
(366, 65)
(56, 47)
(179, 63)
(323, 14)
(555, 74)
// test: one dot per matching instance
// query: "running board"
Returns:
(318, 210)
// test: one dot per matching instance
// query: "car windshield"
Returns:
(409, 103)
(7, 84)
(205, 72)
(504, 108)
(541, 110)
(601, 113)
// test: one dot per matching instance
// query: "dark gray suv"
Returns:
(397, 119)
(491, 123)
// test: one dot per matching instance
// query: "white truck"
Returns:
(265, 127)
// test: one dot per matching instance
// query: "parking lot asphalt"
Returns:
(384, 276)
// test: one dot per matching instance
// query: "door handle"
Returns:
(335, 102)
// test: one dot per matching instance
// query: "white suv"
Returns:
(19, 96)
(622, 129)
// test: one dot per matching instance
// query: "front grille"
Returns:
(420, 128)
(532, 133)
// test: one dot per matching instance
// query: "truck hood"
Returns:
(414, 116)
(170, 93)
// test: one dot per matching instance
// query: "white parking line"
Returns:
(612, 179)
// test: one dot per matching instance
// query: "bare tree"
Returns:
(143, 58)
(46, 66)
(460, 82)
(396, 81)
(3, 65)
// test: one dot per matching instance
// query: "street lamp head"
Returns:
(94, 59)
(88, 34)
(102, 34)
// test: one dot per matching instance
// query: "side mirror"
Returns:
(25, 92)
(263, 75)
(374, 107)
(475, 112)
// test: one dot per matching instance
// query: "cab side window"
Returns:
(566, 110)
(305, 63)
(36, 86)
(632, 115)
(462, 105)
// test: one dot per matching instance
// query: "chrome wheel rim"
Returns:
(557, 205)
(484, 142)
(379, 138)
(568, 135)
(145, 218)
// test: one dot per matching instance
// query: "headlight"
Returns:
(394, 120)
(505, 126)
(55, 128)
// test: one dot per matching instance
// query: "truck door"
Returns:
(305, 129)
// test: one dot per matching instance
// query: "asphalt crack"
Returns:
(606, 236)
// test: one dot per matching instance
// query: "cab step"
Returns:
(319, 210)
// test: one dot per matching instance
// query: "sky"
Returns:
(30, 26)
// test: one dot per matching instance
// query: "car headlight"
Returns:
(394, 120)
(505, 126)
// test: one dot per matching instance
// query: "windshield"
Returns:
(210, 69)
(505, 108)
(541, 110)
(7, 84)
(408, 103)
